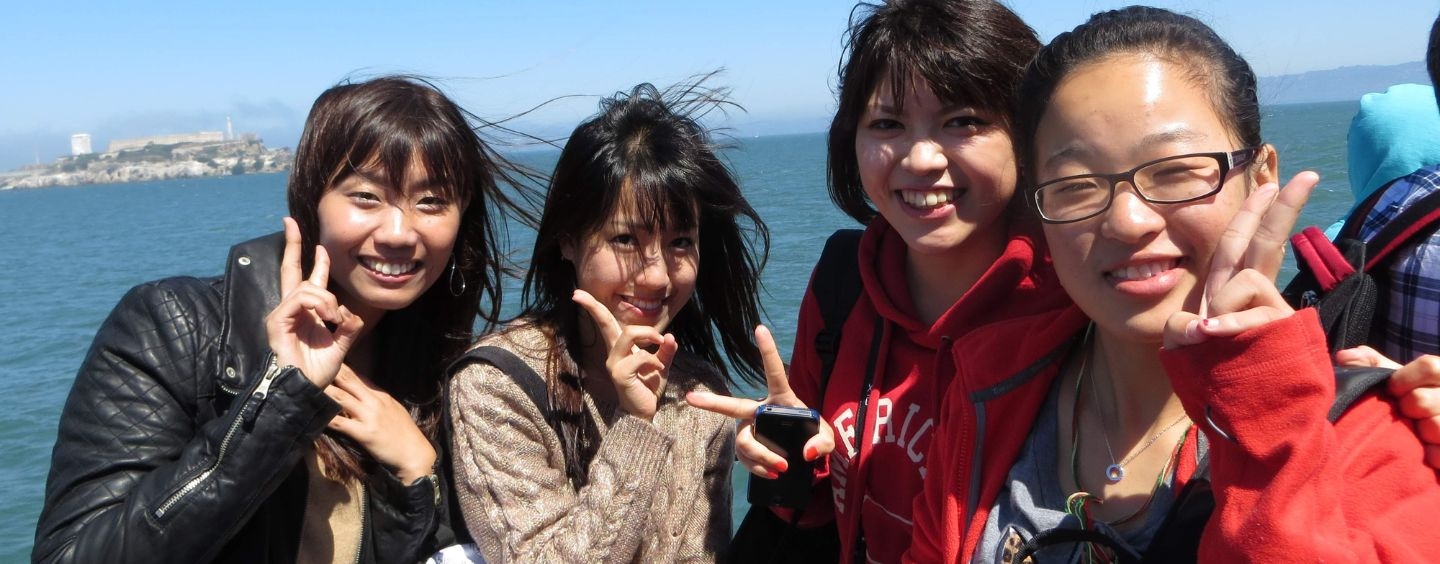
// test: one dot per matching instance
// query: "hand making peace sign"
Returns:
(1239, 292)
(762, 457)
(297, 326)
(638, 374)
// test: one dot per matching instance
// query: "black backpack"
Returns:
(1347, 280)
(762, 535)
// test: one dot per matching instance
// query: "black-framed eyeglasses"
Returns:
(1171, 180)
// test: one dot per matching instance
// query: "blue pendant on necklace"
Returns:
(1114, 473)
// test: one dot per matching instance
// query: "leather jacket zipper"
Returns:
(246, 416)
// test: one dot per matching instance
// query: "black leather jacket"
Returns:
(173, 448)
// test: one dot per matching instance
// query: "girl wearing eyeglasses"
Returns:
(1095, 433)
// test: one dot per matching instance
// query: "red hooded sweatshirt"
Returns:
(1295, 488)
(875, 493)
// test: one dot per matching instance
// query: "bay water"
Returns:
(67, 255)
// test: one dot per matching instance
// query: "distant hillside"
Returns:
(1335, 85)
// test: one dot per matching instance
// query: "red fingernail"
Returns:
(1208, 322)
(771, 475)
(811, 453)
(784, 465)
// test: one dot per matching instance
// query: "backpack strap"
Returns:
(1418, 220)
(525, 377)
(837, 286)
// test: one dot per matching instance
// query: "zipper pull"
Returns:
(262, 391)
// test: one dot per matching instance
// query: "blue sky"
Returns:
(152, 67)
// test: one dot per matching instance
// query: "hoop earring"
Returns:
(457, 278)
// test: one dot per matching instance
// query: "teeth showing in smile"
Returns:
(644, 305)
(1144, 270)
(389, 268)
(929, 198)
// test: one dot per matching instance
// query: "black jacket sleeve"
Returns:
(139, 473)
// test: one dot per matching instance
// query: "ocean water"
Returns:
(69, 253)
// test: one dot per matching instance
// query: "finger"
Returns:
(822, 444)
(345, 426)
(291, 272)
(1432, 456)
(1267, 249)
(1183, 329)
(1421, 403)
(1419, 373)
(734, 408)
(347, 331)
(1364, 356)
(1231, 324)
(776, 382)
(604, 320)
(1248, 289)
(337, 392)
(1429, 430)
(1230, 251)
(756, 456)
(348, 383)
(320, 276)
(320, 305)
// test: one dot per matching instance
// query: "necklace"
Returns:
(1116, 470)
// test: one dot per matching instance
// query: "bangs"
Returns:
(386, 152)
(659, 199)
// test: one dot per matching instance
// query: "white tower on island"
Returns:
(229, 129)
(80, 144)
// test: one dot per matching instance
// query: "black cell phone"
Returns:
(788, 428)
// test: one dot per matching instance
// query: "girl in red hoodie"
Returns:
(919, 152)
(1139, 136)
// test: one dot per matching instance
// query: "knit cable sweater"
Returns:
(657, 492)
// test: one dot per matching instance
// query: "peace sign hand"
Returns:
(1240, 292)
(638, 374)
(297, 327)
(760, 456)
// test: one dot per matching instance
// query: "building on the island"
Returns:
(80, 144)
(229, 129)
(140, 142)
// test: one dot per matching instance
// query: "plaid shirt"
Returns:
(1410, 322)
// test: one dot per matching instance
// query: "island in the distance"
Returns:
(160, 157)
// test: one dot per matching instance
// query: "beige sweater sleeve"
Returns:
(511, 483)
(714, 503)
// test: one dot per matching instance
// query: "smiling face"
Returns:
(387, 245)
(941, 174)
(1132, 266)
(644, 276)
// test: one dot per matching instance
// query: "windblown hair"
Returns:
(382, 127)
(646, 151)
(965, 51)
(1184, 41)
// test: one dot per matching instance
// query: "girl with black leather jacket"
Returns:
(290, 411)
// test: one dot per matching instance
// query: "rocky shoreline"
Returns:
(151, 163)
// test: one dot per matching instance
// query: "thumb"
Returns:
(1364, 356)
(1183, 329)
(667, 351)
(348, 330)
(822, 444)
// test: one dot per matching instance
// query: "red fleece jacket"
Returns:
(1296, 488)
(913, 368)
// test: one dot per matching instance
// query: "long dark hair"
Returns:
(382, 125)
(646, 148)
(1185, 41)
(970, 51)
